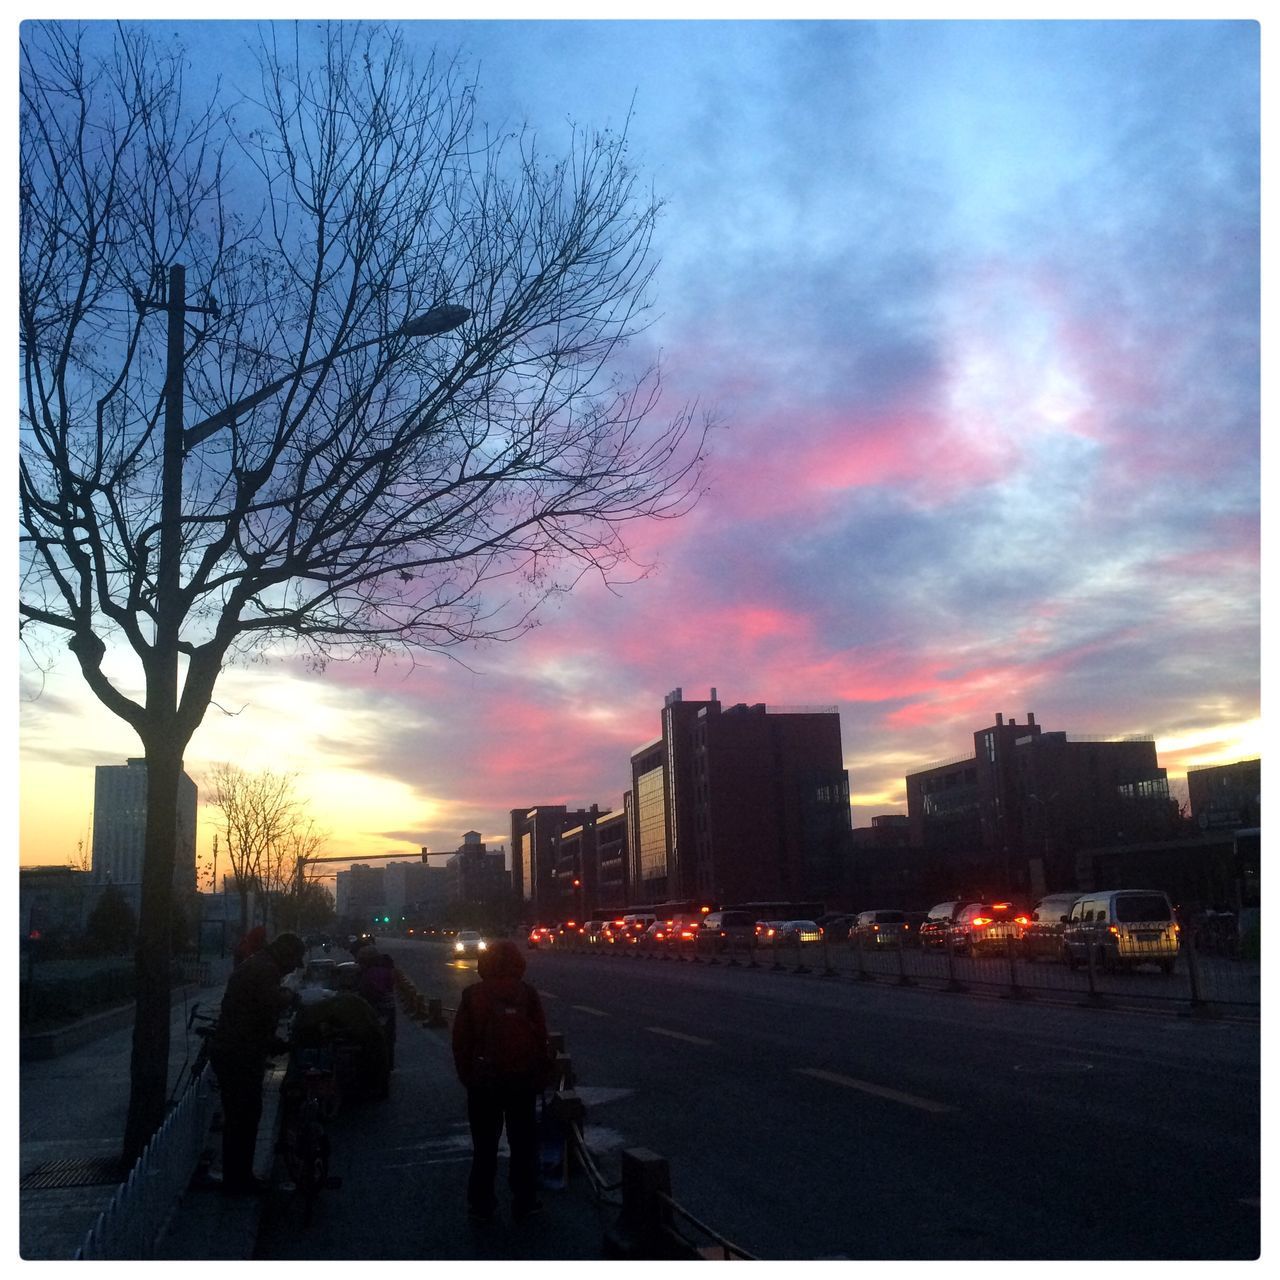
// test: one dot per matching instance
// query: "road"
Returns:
(822, 1118)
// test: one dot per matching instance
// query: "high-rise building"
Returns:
(535, 835)
(120, 829)
(741, 803)
(477, 874)
(1013, 815)
(359, 892)
(590, 865)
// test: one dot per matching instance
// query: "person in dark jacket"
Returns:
(243, 1040)
(500, 1052)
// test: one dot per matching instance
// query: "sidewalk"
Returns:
(72, 1110)
(403, 1164)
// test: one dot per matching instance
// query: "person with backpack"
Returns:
(502, 1057)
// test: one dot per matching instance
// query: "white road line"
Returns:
(548, 995)
(879, 1091)
(678, 1035)
(586, 1008)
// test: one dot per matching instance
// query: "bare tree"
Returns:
(391, 417)
(259, 814)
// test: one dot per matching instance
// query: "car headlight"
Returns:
(480, 946)
(457, 946)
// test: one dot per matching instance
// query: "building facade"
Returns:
(1226, 797)
(1012, 816)
(120, 829)
(739, 803)
(476, 874)
(535, 852)
(590, 873)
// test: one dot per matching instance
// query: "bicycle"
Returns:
(309, 1097)
(193, 1069)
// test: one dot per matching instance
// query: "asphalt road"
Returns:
(822, 1118)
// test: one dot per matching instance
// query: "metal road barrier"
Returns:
(128, 1228)
(1206, 980)
(647, 1227)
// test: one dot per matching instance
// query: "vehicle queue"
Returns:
(1116, 929)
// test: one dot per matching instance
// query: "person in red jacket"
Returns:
(501, 1054)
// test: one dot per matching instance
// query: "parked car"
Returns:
(722, 930)
(468, 943)
(768, 932)
(541, 936)
(878, 928)
(804, 933)
(593, 934)
(655, 936)
(1042, 935)
(1125, 927)
(835, 926)
(611, 931)
(986, 927)
(937, 923)
(633, 927)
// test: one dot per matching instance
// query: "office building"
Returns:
(535, 835)
(740, 803)
(1012, 816)
(589, 869)
(476, 874)
(120, 829)
(1226, 797)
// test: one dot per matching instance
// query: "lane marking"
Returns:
(678, 1035)
(586, 1008)
(548, 995)
(876, 1090)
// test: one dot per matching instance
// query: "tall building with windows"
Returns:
(535, 852)
(1013, 815)
(476, 873)
(739, 803)
(120, 829)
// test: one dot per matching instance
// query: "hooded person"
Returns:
(243, 1040)
(501, 1054)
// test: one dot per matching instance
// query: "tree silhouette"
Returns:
(111, 925)
(390, 417)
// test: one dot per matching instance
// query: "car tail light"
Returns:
(981, 922)
(1023, 920)
(875, 928)
(1113, 929)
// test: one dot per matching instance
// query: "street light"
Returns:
(178, 442)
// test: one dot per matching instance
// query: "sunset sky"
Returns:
(976, 305)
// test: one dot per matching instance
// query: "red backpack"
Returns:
(509, 1046)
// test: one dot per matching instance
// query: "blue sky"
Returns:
(977, 306)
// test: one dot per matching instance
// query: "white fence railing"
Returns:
(128, 1228)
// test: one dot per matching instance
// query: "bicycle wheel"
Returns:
(313, 1165)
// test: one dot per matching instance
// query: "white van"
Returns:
(1125, 928)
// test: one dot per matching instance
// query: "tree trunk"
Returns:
(149, 1068)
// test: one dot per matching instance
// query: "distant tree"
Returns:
(347, 482)
(259, 812)
(111, 926)
(82, 859)
(308, 909)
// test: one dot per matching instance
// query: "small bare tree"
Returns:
(259, 813)
(385, 411)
